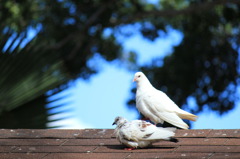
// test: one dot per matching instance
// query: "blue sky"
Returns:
(96, 102)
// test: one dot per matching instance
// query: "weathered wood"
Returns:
(101, 143)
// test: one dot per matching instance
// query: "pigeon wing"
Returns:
(163, 107)
(149, 132)
(172, 107)
(163, 102)
(131, 132)
(173, 119)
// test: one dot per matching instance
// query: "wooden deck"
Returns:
(101, 143)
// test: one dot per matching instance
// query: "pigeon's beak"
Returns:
(114, 123)
(134, 79)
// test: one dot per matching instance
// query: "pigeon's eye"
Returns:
(139, 76)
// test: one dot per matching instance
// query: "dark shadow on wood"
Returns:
(121, 147)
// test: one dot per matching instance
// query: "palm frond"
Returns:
(27, 73)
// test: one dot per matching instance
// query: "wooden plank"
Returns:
(56, 133)
(97, 133)
(89, 142)
(127, 155)
(233, 141)
(194, 141)
(182, 141)
(192, 133)
(168, 155)
(101, 143)
(113, 141)
(66, 142)
(22, 155)
(107, 133)
(225, 156)
(86, 155)
(230, 133)
(7, 148)
(222, 149)
(46, 149)
(120, 148)
(38, 133)
(31, 142)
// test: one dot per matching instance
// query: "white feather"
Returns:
(138, 133)
(157, 106)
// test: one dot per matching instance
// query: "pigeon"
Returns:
(157, 106)
(139, 133)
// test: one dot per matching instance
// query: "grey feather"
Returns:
(138, 133)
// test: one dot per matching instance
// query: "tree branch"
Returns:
(195, 8)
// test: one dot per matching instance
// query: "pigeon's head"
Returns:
(119, 121)
(138, 77)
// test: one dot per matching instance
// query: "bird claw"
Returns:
(144, 118)
(129, 149)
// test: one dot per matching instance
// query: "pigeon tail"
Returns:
(161, 134)
(173, 119)
(185, 115)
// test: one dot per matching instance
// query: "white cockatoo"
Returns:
(140, 134)
(157, 106)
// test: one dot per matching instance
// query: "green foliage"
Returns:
(56, 55)
(71, 32)
(25, 77)
(205, 66)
